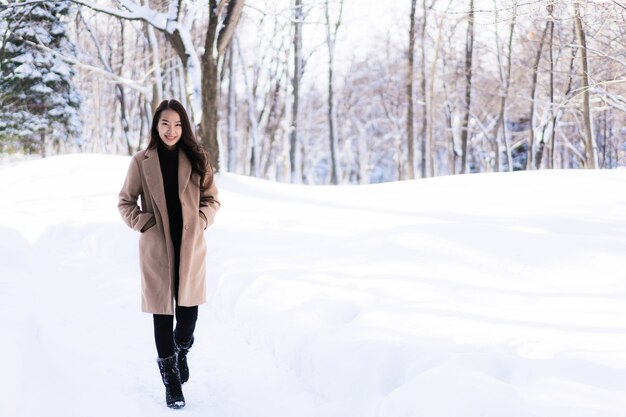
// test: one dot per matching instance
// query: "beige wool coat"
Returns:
(199, 203)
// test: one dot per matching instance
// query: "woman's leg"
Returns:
(186, 318)
(168, 360)
(185, 324)
(164, 334)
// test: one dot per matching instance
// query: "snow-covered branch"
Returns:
(24, 4)
(133, 12)
(614, 100)
(135, 85)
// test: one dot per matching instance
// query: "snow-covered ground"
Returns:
(482, 295)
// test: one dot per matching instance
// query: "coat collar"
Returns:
(154, 178)
(184, 172)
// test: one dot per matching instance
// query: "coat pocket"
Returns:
(152, 249)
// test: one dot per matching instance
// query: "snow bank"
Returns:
(478, 295)
(482, 295)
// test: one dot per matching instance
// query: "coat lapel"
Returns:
(154, 179)
(184, 172)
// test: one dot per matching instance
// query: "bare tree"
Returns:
(431, 93)
(410, 117)
(214, 48)
(533, 91)
(551, 125)
(298, 19)
(505, 82)
(231, 115)
(469, 47)
(590, 145)
(331, 38)
(252, 121)
(424, 139)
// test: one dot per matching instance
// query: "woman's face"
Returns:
(170, 128)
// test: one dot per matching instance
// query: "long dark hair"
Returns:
(188, 142)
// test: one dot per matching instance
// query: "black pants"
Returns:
(186, 318)
(164, 332)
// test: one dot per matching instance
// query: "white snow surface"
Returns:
(478, 295)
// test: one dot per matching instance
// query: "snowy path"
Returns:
(77, 355)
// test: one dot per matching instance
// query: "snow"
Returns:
(478, 295)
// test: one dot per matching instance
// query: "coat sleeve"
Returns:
(131, 213)
(209, 203)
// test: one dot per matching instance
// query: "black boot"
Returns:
(182, 348)
(171, 379)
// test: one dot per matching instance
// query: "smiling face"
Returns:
(170, 128)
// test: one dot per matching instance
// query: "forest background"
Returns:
(328, 91)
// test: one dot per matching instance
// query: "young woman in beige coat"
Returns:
(173, 181)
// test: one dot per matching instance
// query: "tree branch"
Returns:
(233, 14)
(135, 12)
(24, 4)
(135, 85)
(619, 4)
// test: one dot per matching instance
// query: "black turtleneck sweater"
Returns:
(169, 169)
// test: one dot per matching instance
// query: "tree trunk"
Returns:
(505, 80)
(157, 80)
(469, 46)
(208, 124)
(560, 108)
(426, 155)
(332, 123)
(276, 114)
(533, 91)
(411, 97)
(451, 147)
(552, 122)
(331, 38)
(590, 145)
(253, 125)
(448, 113)
(121, 97)
(43, 143)
(231, 118)
(431, 91)
(297, 76)
(214, 47)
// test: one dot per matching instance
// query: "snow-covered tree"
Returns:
(39, 105)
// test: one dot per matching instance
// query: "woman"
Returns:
(174, 181)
